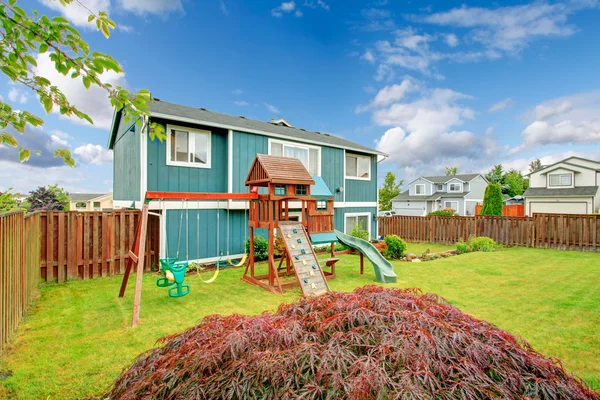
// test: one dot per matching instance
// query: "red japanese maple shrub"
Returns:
(374, 343)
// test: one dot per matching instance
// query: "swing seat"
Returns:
(239, 263)
(166, 264)
(181, 289)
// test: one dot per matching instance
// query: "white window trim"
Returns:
(455, 191)
(188, 163)
(561, 186)
(439, 187)
(451, 201)
(359, 214)
(420, 194)
(300, 145)
(356, 178)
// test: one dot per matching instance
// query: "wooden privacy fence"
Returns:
(512, 210)
(86, 245)
(555, 231)
(20, 240)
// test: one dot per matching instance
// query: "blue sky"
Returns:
(433, 84)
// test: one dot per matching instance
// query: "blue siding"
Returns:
(163, 177)
(332, 170)
(357, 190)
(245, 147)
(208, 244)
(126, 171)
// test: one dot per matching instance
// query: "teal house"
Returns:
(206, 151)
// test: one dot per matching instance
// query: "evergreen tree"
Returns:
(535, 165)
(495, 175)
(492, 200)
(388, 191)
(61, 195)
(513, 183)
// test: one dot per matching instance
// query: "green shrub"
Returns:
(261, 248)
(360, 233)
(446, 212)
(492, 200)
(482, 243)
(396, 247)
(462, 247)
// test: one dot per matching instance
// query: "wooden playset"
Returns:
(288, 187)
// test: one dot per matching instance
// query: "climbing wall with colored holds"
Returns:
(307, 268)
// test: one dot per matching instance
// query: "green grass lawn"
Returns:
(77, 338)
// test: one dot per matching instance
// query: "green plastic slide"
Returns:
(384, 271)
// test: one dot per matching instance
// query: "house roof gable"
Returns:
(275, 169)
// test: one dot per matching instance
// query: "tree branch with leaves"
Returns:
(23, 36)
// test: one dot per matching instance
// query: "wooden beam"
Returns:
(137, 299)
(133, 257)
(200, 196)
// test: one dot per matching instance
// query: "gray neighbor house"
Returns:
(460, 192)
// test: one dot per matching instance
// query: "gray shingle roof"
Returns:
(84, 196)
(445, 178)
(576, 191)
(405, 196)
(254, 126)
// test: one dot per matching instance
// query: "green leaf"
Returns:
(8, 139)
(65, 154)
(105, 31)
(157, 131)
(24, 154)
(48, 104)
(91, 17)
(60, 19)
(43, 48)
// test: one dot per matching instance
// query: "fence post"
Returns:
(431, 228)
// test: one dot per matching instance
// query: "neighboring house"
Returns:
(460, 192)
(207, 151)
(569, 186)
(90, 201)
(509, 201)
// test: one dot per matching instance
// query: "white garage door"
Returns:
(559, 208)
(413, 212)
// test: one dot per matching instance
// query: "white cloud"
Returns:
(390, 94)
(298, 13)
(368, 56)
(56, 142)
(77, 14)
(93, 101)
(376, 19)
(241, 103)
(94, 154)
(285, 7)
(451, 40)
(422, 131)
(237, 91)
(18, 96)
(570, 119)
(318, 3)
(26, 177)
(157, 7)
(508, 28)
(272, 108)
(125, 28)
(501, 105)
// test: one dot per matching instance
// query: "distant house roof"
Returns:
(446, 178)
(576, 191)
(163, 109)
(277, 169)
(85, 196)
(405, 196)
(565, 161)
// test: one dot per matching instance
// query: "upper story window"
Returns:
(188, 147)
(301, 190)
(309, 155)
(440, 187)
(455, 187)
(81, 205)
(561, 180)
(358, 167)
(420, 188)
(96, 204)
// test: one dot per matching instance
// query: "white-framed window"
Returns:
(188, 147)
(420, 188)
(440, 187)
(358, 167)
(455, 187)
(353, 219)
(451, 204)
(80, 205)
(561, 179)
(309, 155)
(321, 205)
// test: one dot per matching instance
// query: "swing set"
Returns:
(288, 185)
